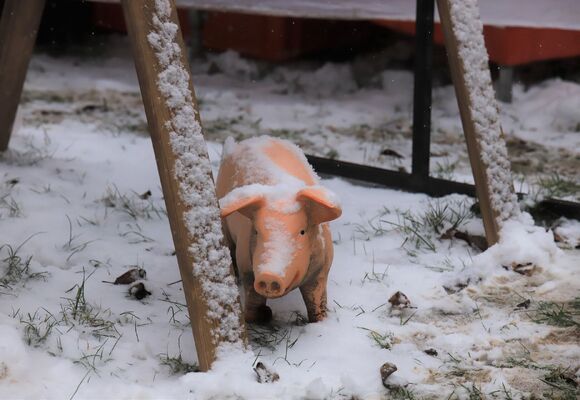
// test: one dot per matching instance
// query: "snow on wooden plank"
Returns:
(204, 261)
(487, 150)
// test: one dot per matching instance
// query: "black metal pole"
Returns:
(432, 186)
(422, 88)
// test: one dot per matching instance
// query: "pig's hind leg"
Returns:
(256, 309)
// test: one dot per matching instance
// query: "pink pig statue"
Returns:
(275, 223)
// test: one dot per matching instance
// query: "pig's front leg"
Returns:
(256, 309)
(314, 295)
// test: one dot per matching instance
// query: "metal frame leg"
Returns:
(422, 89)
(504, 83)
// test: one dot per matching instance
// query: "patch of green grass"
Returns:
(37, 327)
(12, 207)
(134, 205)
(374, 276)
(71, 244)
(267, 336)
(402, 393)
(557, 186)
(422, 230)
(177, 365)
(403, 319)
(473, 392)
(92, 360)
(503, 393)
(445, 169)
(562, 384)
(560, 380)
(15, 268)
(332, 154)
(78, 311)
(382, 340)
(31, 154)
(563, 315)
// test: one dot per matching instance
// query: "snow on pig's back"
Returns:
(265, 160)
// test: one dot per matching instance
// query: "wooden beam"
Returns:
(19, 24)
(183, 163)
(468, 61)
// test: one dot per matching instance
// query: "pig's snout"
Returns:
(270, 285)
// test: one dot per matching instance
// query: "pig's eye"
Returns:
(303, 232)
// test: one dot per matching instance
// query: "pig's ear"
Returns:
(322, 204)
(246, 205)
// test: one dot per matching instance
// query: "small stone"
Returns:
(527, 269)
(264, 374)
(476, 241)
(145, 195)
(431, 352)
(558, 238)
(387, 369)
(524, 304)
(456, 288)
(400, 300)
(391, 153)
(139, 291)
(131, 276)
(479, 241)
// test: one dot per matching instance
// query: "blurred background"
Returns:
(534, 53)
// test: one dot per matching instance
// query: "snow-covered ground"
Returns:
(75, 212)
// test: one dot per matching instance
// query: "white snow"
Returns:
(212, 266)
(520, 244)
(65, 160)
(278, 249)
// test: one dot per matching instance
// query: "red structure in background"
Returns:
(513, 46)
(110, 17)
(280, 38)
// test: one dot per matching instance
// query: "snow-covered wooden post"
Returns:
(18, 27)
(167, 90)
(468, 61)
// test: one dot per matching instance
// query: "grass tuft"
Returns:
(14, 268)
(401, 393)
(37, 327)
(382, 340)
(562, 384)
(177, 365)
(563, 315)
(8, 203)
(557, 186)
(77, 311)
(134, 205)
(445, 169)
(31, 154)
(423, 230)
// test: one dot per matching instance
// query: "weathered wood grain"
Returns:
(139, 17)
(18, 27)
